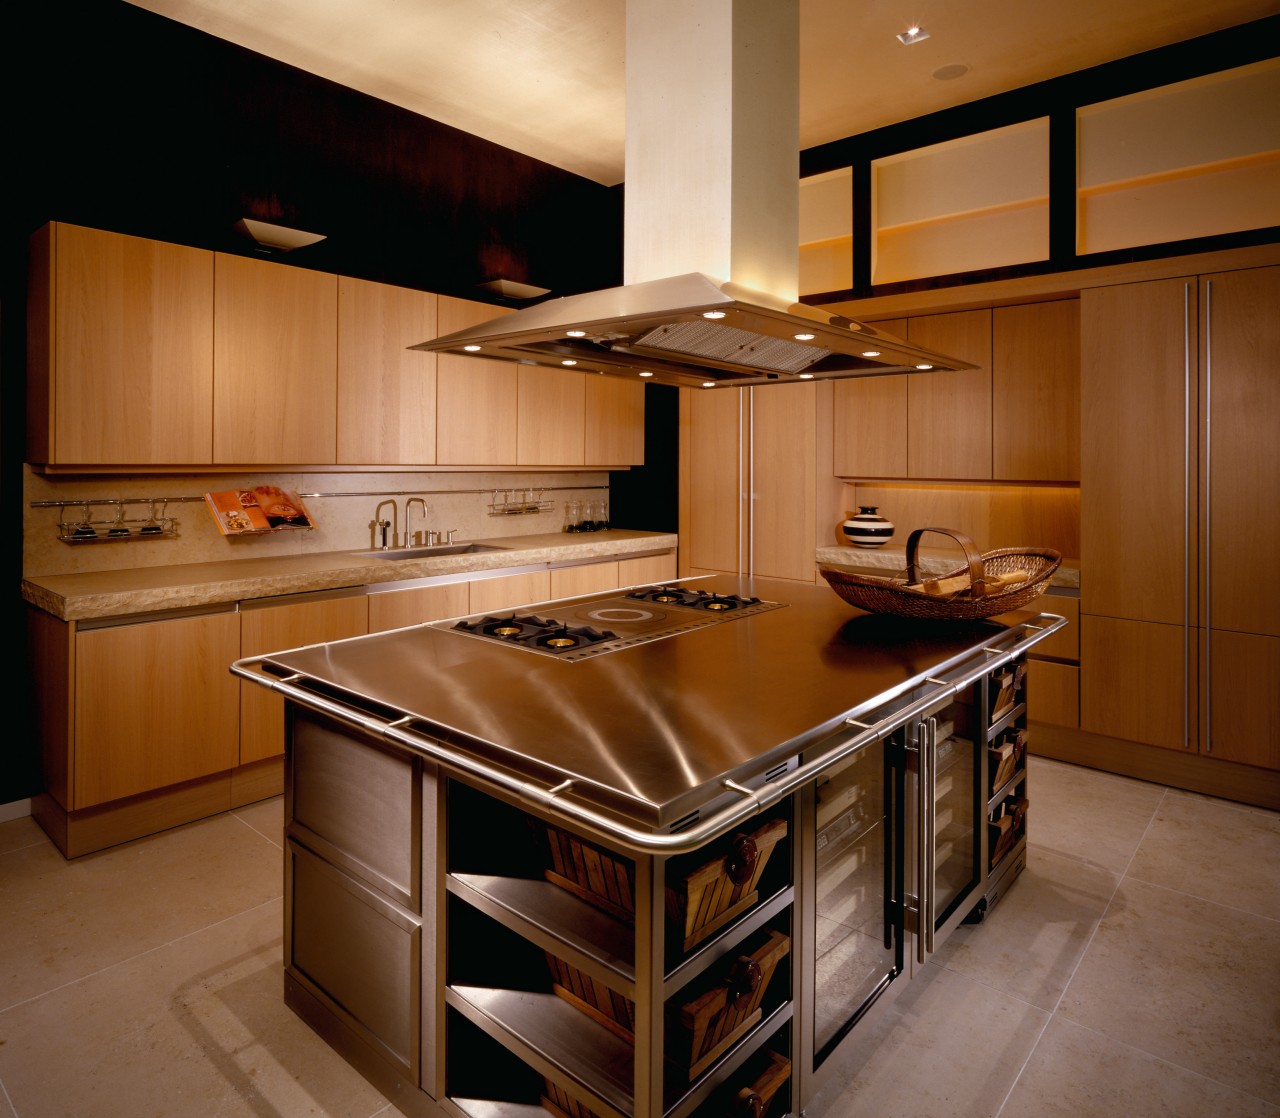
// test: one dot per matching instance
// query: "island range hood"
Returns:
(712, 191)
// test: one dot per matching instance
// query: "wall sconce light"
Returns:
(510, 289)
(275, 238)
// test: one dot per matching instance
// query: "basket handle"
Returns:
(977, 584)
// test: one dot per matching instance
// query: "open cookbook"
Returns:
(265, 508)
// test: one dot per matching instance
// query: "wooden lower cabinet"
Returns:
(154, 706)
(396, 609)
(273, 628)
(489, 594)
(1135, 681)
(1242, 709)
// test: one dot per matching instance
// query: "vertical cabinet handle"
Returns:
(1206, 559)
(1186, 516)
(931, 833)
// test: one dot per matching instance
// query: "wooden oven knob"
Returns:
(740, 864)
(744, 980)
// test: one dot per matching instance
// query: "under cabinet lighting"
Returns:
(713, 314)
(803, 337)
(568, 361)
(805, 376)
(472, 348)
(575, 333)
(708, 384)
(924, 367)
(870, 353)
(645, 373)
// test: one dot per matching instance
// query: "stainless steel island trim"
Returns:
(753, 801)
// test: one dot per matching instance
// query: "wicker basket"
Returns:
(899, 597)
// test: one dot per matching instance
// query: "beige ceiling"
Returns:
(545, 77)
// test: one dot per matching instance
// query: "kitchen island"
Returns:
(586, 856)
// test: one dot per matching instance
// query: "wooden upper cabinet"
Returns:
(275, 363)
(1137, 536)
(120, 356)
(1035, 392)
(615, 421)
(386, 391)
(552, 424)
(949, 414)
(871, 421)
(476, 399)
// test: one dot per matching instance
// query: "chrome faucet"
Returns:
(408, 521)
(382, 525)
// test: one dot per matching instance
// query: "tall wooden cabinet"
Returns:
(750, 479)
(1180, 628)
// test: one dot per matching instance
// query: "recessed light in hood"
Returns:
(691, 330)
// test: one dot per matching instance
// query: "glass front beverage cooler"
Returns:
(906, 847)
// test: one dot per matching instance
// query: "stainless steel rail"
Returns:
(752, 803)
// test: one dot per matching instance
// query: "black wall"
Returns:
(119, 119)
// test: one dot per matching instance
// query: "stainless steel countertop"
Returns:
(650, 732)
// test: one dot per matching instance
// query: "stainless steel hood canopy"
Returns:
(691, 330)
(711, 254)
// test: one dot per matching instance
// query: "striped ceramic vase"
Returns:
(868, 528)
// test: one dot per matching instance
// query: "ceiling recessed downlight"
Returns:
(913, 34)
(708, 384)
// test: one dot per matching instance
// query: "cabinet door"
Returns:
(275, 363)
(552, 417)
(1137, 540)
(154, 705)
(870, 421)
(949, 414)
(783, 530)
(396, 609)
(476, 412)
(132, 350)
(274, 629)
(646, 568)
(614, 422)
(506, 591)
(1240, 373)
(1243, 706)
(1137, 681)
(713, 444)
(592, 578)
(1035, 392)
(386, 391)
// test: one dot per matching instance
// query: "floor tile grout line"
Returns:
(4, 1091)
(1083, 952)
(140, 955)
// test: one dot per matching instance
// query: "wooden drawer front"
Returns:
(1054, 695)
(647, 568)
(1065, 643)
(594, 578)
(359, 805)
(397, 609)
(491, 594)
(359, 954)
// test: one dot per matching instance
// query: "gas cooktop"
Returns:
(592, 627)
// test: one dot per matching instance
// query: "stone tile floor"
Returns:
(1133, 970)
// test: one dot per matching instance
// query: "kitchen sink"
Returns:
(398, 553)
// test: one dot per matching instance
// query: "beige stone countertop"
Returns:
(889, 561)
(77, 597)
